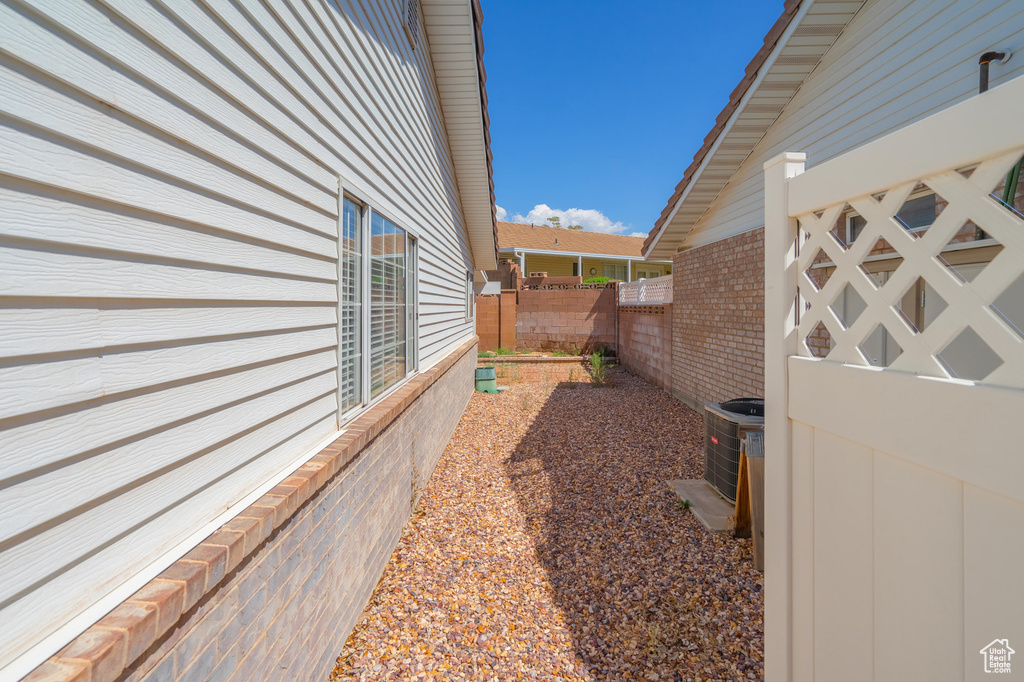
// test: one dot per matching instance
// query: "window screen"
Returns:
(387, 304)
(350, 306)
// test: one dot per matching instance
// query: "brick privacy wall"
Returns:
(718, 320)
(645, 342)
(549, 319)
(496, 321)
(488, 321)
(285, 612)
(507, 332)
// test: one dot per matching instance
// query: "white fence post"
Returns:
(780, 292)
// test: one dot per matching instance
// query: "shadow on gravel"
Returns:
(643, 587)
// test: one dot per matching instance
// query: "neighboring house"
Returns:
(829, 78)
(577, 253)
(237, 255)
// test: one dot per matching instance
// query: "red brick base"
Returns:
(718, 320)
(274, 593)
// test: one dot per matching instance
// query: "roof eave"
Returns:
(460, 72)
(759, 80)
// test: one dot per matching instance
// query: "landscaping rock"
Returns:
(547, 546)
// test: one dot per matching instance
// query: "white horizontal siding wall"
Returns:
(897, 62)
(168, 236)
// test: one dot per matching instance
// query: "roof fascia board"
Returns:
(780, 45)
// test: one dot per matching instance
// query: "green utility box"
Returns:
(486, 380)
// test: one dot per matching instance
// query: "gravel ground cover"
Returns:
(547, 545)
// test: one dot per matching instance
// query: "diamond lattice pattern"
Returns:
(968, 304)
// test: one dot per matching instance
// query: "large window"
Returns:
(350, 305)
(387, 304)
(376, 304)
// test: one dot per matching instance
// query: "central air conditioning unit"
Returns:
(726, 425)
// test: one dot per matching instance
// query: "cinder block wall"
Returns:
(563, 318)
(488, 321)
(496, 321)
(645, 342)
(718, 320)
(285, 611)
(507, 332)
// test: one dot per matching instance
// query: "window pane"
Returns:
(387, 305)
(349, 250)
(614, 271)
(918, 213)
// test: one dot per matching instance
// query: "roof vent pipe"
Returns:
(1002, 57)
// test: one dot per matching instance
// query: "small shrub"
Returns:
(504, 351)
(598, 369)
(597, 280)
(684, 504)
(485, 354)
(575, 351)
(557, 353)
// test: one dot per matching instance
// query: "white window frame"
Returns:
(412, 339)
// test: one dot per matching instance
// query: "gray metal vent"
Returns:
(411, 21)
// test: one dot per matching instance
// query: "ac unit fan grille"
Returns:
(722, 459)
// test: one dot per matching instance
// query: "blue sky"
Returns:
(600, 105)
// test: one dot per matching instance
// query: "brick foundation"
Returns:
(274, 593)
(718, 320)
(645, 342)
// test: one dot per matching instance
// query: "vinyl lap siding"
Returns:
(168, 187)
(897, 62)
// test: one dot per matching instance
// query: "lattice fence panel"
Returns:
(969, 304)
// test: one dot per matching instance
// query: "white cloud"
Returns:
(500, 212)
(591, 219)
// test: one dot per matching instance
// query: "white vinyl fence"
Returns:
(656, 291)
(894, 490)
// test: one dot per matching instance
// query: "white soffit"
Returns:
(813, 30)
(451, 33)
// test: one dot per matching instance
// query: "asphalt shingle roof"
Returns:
(541, 238)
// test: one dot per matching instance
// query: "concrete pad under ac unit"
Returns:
(707, 505)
